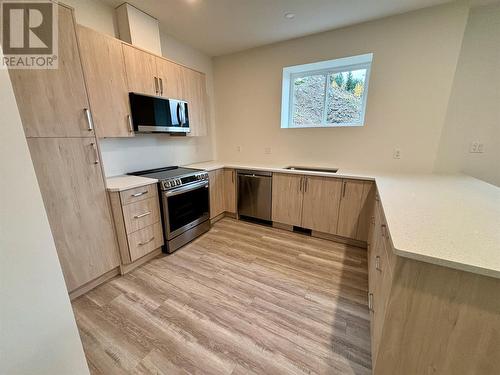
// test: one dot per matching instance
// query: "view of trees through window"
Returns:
(328, 98)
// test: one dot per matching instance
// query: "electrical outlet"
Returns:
(397, 153)
(238, 148)
(476, 147)
(267, 150)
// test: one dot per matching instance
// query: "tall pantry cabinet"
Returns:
(57, 120)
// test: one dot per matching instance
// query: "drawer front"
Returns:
(138, 194)
(141, 214)
(145, 241)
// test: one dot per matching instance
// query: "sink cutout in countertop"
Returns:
(312, 169)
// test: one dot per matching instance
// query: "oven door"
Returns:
(185, 207)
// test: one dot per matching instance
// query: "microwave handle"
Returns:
(179, 114)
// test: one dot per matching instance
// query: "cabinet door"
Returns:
(320, 209)
(74, 195)
(104, 69)
(216, 181)
(140, 67)
(194, 84)
(52, 102)
(171, 84)
(230, 190)
(287, 199)
(366, 211)
(350, 208)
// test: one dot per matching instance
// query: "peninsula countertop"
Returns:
(448, 220)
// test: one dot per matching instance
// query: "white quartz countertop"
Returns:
(448, 220)
(125, 182)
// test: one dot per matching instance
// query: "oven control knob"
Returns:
(167, 184)
(179, 182)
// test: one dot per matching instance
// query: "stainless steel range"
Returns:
(184, 202)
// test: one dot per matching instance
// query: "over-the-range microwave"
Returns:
(154, 114)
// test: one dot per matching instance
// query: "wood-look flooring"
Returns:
(241, 299)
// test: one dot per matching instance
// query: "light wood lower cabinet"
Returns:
(52, 102)
(136, 214)
(287, 199)
(321, 203)
(230, 190)
(427, 318)
(104, 69)
(216, 187)
(74, 195)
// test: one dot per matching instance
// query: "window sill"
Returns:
(333, 126)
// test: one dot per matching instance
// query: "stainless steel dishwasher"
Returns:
(254, 194)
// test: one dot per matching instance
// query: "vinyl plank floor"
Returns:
(241, 299)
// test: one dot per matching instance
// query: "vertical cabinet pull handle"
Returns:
(161, 85)
(344, 186)
(377, 263)
(301, 183)
(306, 184)
(232, 177)
(383, 228)
(370, 301)
(130, 124)
(94, 147)
(90, 121)
(156, 85)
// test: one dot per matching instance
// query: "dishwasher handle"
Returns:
(258, 174)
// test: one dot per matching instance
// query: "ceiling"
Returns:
(219, 27)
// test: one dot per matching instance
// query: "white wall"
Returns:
(415, 56)
(151, 151)
(474, 108)
(38, 334)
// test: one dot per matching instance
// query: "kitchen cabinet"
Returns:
(366, 211)
(230, 191)
(350, 208)
(171, 79)
(216, 186)
(196, 96)
(140, 68)
(53, 102)
(287, 199)
(136, 214)
(321, 203)
(104, 69)
(73, 191)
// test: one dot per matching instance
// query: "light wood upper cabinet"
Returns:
(216, 181)
(52, 102)
(74, 195)
(195, 87)
(287, 199)
(230, 190)
(140, 67)
(350, 208)
(171, 79)
(321, 204)
(104, 69)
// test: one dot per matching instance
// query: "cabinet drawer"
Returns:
(144, 241)
(141, 214)
(138, 194)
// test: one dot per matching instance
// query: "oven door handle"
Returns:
(185, 189)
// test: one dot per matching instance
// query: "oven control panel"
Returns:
(184, 180)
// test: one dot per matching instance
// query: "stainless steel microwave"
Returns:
(153, 114)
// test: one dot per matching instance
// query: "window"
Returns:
(326, 94)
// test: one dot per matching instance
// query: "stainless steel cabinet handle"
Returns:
(142, 215)
(301, 189)
(139, 194)
(344, 188)
(161, 85)
(383, 228)
(146, 242)
(94, 146)
(306, 184)
(232, 177)
(130, 125)
(156, 85)
(370, 301)
(90, 121)
(377, 263)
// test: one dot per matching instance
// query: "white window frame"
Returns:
(323, 67)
